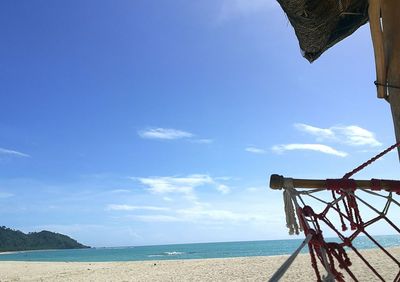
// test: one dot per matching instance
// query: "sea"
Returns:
(184, 251)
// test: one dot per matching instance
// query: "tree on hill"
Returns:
(15, 240)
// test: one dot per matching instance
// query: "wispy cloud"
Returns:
(311, 147)
(172, 134)
(180, 185)
(223, 189)
(255, 150)
(164, 133)
(356, 136)
(320, 133)
(202, 141)
(352, 135)
(13, 153)
(201, 214)
(185, 185)
(225, 178)
(114, 207)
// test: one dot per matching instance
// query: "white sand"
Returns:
(231, 269)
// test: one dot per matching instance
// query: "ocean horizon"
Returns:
(183, 251)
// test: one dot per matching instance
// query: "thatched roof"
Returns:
(320, 24)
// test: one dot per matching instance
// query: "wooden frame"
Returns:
(384, 18)
(277, 183)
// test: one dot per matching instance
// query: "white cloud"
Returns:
(181, 185)
(223, 189)
(320, 133)
(352, 135)
(4, 195)
(201, 214)
(184, 185)
(113, 207)
(226, 178)
(13, 153)
(255, 150)
(202, 141)
(198, 213)
(312, 147)
(172, 134)
(164, 133)
(356, 136)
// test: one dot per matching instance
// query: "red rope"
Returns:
(345, 187)
(370, 161)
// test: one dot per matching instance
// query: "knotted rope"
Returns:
(343, 190)
(289, 198)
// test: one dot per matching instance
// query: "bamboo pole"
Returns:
(391, 37)
(277, 182)
(384, 18)
(374, 12)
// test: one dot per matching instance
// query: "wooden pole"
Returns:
(374, 13)
(386, 40)
(391, 41)
(277, 182)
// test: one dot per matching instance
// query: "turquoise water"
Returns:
(183, 251)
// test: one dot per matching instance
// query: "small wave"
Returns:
(164, 254)
(173, 253)
(152, 256)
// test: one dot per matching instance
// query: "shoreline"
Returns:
(220, 269)
(40, 250)
(303, 252)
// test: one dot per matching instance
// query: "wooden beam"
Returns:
(277, 183)
(374, 13)
(385, 35)
(391, 38)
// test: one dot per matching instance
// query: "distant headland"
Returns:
(15, 240)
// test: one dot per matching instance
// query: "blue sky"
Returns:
(153, 122)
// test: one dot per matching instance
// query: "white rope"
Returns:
(285, 266)
(288, 197)
(329, 276)
(290, 201)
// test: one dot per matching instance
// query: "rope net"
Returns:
(352, 215)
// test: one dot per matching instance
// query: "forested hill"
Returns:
(14, 240)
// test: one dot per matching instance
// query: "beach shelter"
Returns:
(319, 25)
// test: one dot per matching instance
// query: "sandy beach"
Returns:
(230, 269)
